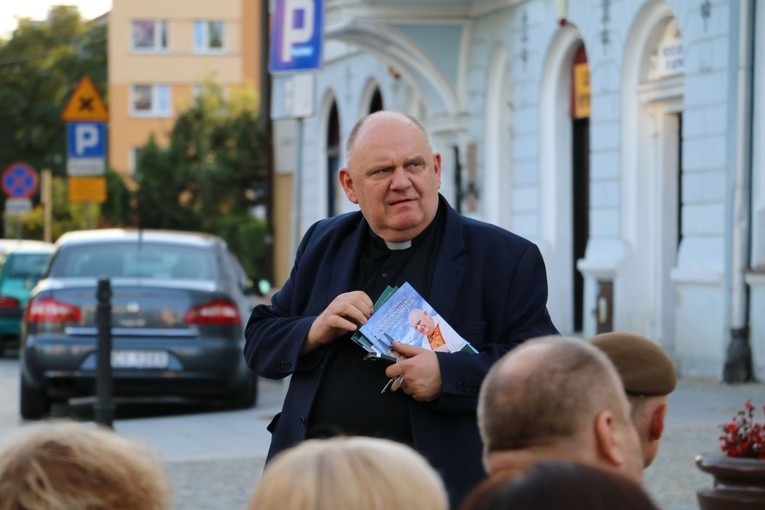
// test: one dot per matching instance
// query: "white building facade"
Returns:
(625, 137)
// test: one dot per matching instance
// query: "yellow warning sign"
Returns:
(87, 189)
(85, 104)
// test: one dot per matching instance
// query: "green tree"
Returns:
(205, 178)
(40, 66)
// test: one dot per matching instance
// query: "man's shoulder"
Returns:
(482, 230)
(335, 226)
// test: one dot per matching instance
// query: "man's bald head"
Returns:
(547, 394)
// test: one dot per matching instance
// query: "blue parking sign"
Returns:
(86, 139)
(297, 34)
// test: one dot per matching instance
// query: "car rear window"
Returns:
(26, 265)
(145, 260)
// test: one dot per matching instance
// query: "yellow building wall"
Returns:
(178, 67)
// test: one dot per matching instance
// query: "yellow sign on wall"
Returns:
(87, 189)
(581, 91)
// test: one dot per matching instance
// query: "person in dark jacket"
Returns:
(489, 284)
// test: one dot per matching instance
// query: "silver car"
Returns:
(178, 304)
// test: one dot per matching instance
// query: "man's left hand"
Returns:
(420, 370)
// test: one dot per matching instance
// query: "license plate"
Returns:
(140, 359)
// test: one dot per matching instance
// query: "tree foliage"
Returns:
(40, 66)
(204, 179)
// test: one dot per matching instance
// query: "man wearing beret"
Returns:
(648, 375)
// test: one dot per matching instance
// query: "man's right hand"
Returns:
(343, 315)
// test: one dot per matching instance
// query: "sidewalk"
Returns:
(697, 409)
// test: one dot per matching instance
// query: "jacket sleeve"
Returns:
(521, 314)
(275, 333)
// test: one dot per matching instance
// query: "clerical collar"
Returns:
(398, 246)
(436, 224)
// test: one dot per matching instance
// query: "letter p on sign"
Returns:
(86, 139)
(297, 26)
(297, 32)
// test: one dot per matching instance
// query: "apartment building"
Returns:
(160, 55)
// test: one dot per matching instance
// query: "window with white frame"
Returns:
(149, 35)
(209, 36)
(150, 100)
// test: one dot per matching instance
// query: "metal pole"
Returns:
(46, 195)
(268, 151)
(104, 405)
(297, 208)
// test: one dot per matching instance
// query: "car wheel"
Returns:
(245, 396)
(34, 402)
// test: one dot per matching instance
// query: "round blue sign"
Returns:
(19, 180)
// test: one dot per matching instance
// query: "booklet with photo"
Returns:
(402, 314)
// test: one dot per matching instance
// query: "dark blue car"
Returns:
(178, 304)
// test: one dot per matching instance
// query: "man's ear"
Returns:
(656, 427)
(344, 176)
(606, 439)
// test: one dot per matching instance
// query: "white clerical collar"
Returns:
(398, 246)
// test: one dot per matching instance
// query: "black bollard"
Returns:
(103, 408)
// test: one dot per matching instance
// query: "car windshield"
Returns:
(145, 260)
(26, 265)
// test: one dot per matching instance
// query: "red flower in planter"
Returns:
(742, 437)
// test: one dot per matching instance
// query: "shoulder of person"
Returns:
(488, 232)
(335, 226)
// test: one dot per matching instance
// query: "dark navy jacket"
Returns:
(490, 285)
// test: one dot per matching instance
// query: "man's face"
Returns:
(393, 176)
(424, 323)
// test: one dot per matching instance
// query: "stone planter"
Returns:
(739, 483)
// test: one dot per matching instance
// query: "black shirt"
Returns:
(349, 401)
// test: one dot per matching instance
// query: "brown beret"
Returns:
(644, 367)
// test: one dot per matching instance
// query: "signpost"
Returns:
(86, 148)
(19, 182)
(297, 36)
(86, 117)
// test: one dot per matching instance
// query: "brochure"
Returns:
(402, 314)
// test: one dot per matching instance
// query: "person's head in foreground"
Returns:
(556, 398)
(393, 173)
(558, 485)
(648, 375)
(349, 473)
(65, 465)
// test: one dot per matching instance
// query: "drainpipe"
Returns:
(738, 362)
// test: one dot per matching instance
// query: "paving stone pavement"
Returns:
(697, 409)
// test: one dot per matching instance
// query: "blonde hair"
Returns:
(347, 473)
(65, 465)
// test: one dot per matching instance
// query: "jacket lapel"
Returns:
(450, 265)
(346, 261)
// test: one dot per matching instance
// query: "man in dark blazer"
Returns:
(487, 283)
